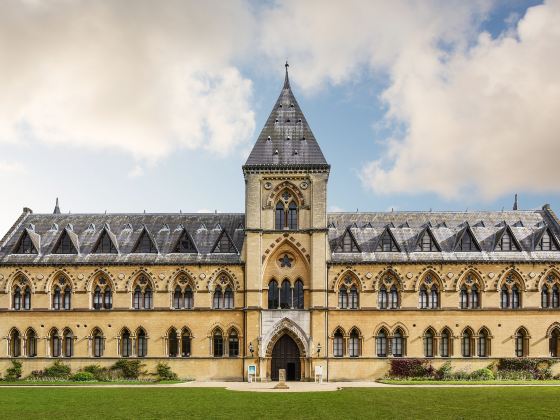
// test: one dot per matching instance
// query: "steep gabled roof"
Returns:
(185, 244)
(224, 244)
(540, 234)
(286, 139)
(387, 242)
(502, 234)
(347, 243)
(106, 243)
(466, 234)
(421, 241)
(67, 243)
(28, 243)
(145, 243)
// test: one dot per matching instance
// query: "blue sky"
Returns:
(360, 90)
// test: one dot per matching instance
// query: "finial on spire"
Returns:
(56, 207)
(515, 203)
(286, 80)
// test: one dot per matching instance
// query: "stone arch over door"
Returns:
(286, 347)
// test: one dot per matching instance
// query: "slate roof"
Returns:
(286, 139)
(527, 228)
(125, 229)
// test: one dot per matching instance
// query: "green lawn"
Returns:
(212, 403)
(492, 382)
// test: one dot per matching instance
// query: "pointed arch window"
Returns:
(16, 299)
(382, 298)
(398, 344)
(292, 216)
(31, 343)
(55, 343)
(423, 297)
(273, 295)
(298, 295)
(68, 343)
(233, 344)
(142, 297)
(338, 343)
(554, 343)
(394, 298)
(172, 343)
(15, 343)
(141, 343)
(467, 341)
(102, 297)
(348, 294)
(286, 295)
(126, 344)
(354, 344)
(218, 344)
(521, 343)
(354, 302)
(343, 298)
(469, 295)
(217, 301)
(228, 298)
(280, 216)
(429, 343)
(446, 343)
(483, 343)
(27, 298)
(428, 296)
(515, 297)
(286, 215)
(185, 343)
(98, 345)
(381, 343)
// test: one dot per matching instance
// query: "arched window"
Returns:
(504, 297)
(483, 343)
(273, 295)
(545, 298)
(183, 295)
(68, 344)
(185, 343)
(434, 297)
(56, 298)
(189, 298)
(217, 298)
(423, 298)
(475, 297)
(398, 344)
(280, 219)
(233, 344)
(338, 343)
(381, 343)
(521, 343)
(286, 296)
(177, 298)
(555, 296)
(467, 343)
(17, 299)
(31, 343)
(172, 343)
(394, 302)
(382, 298)
(98, 344)
(554, 343)
(429, 338)
(126, 343)
(298, 295)
(27, 298)
(218, 343)
(142, 297)
(15, 343)
(67, 301)
(102, 294)
(446, 343)
(228, 298)
(292, 216)
(354, 297)
(343, 298)
(354, 344)
(464, 297)
(515, 297)
(55, 343)
(141, 343)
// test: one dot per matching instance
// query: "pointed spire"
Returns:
(286, 139)
(56, 207)
(515, 204)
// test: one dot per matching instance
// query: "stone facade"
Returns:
(347, 302)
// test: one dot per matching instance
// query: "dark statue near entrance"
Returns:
(285, 355)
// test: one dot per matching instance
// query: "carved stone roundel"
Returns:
(304, 185)
(267, 185)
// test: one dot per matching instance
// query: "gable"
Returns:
(347, 243)
(64, 244)
(547, 241)
(466, 241)
(506, 241)
(25, 245)
(426, 242)
(185, 244)
(145, 244)
(387, 242)
(224, 244)
(105, 244)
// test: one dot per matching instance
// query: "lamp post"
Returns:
(251, 349)
(318, 349)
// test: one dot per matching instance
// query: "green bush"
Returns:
(484, 374)
(14, 373)
(529, 368)
(444, 372)
(164, 372)
(514, 375)
(99, 373)
(83, 377)
(128, 369)
(57, 370)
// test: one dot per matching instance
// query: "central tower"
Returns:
(286, 245)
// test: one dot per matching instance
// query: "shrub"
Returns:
(444, 372)
(531, 368)
(128, 369)
(164, 372)
(484, 374)
(514, 375)
(99, 373)
(83, 377)
(14, 372)
(57, 370)
(411, 368)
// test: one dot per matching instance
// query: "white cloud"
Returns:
(484, 121)
(138, 76)
(11, 167)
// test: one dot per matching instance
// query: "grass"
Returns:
(213, 403)
(77, 383)
(491, 382)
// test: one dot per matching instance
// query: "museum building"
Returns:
(286, 285)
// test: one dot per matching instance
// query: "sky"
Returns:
(136, 105)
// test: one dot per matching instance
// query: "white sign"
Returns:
(251, 373)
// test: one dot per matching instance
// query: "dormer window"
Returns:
(65, 245)
(25, 245)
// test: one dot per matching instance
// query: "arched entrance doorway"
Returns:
(285, 355)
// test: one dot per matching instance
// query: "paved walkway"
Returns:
(269, 386)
